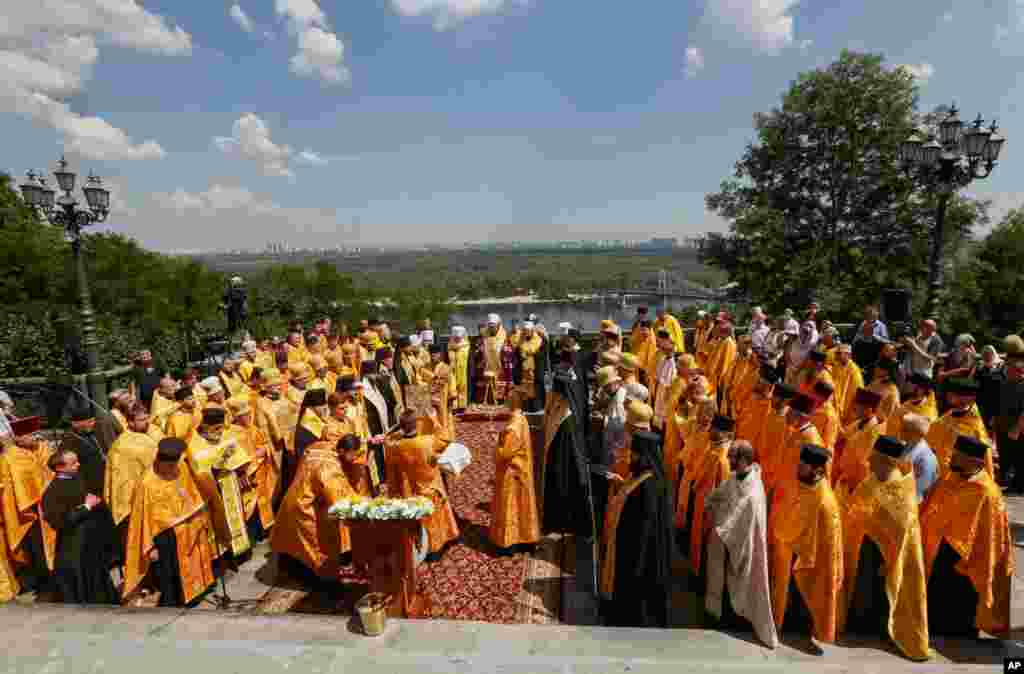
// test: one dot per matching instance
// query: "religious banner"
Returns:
(234, 513)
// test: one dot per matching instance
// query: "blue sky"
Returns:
(232, 124)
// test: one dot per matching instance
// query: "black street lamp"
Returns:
(64, 211)
(946, 165)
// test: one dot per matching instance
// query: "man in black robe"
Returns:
(637, 542)
(376, 411)
(85, 535)
(83, 442)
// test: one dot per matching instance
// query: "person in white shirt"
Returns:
(919, 454)
(759, 329)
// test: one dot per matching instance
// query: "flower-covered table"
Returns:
(384, 536)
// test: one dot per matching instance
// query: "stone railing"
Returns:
(48, 396)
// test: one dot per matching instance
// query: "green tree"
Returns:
(818, 206)
(987, 283)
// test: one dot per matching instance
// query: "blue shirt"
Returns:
(878, 331)
(926, 467)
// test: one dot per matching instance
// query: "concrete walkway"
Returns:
(49, 639)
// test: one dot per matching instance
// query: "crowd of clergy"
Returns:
(806, 484)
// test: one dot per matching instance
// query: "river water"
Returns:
(585, 315)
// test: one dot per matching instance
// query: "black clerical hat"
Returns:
(183, 393)
(784, 391)
(970, 446)
(814, 455)
(921, 379)
(404, 342)
(214, 415)
(802, 403)
(663, 334)
(818, 356)
(644, 324)
(867, 398)
(723, 424)
(383, 353)
(823, 388)
(641, 310)
(315, 398)
(368, 367)
(769, 375)
(346, 384)
(436, 348)
(170, 449)
(575, 333)
(890, 446)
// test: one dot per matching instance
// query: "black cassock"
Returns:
(869, 606)
(540, 368)
(954, 614)
(85, 543)
(643, 551)
(568, 497)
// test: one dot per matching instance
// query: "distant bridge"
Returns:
(668, 287)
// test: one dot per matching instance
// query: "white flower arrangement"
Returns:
(361, 508)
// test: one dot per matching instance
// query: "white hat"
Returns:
(702, 313)
(493, 319)
(458, 331)
(414, 340)
(249, 346)
(211, 385)
(565, 327)
(528, 325)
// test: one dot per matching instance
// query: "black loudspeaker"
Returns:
(896, 306)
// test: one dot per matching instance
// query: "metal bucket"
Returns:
(373, 613)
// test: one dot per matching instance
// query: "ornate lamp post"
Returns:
(64, 211)
(946, 165)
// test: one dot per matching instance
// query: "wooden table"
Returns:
(385, 549)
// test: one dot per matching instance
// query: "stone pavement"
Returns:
(51, 638)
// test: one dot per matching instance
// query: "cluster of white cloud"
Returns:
(239, 16)
(694, 61)
(922, 72)
(767, 25)
(320, 53)
(169, 220)
(447, 13)
(47, 51)
(250, 139)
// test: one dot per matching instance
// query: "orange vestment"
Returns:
(176, 504)
(970, 515)
(807, 546)
(514, 518)
(886, 512)
(304, 530)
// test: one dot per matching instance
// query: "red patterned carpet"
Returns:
(471, 581)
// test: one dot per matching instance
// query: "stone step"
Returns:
(117, 641)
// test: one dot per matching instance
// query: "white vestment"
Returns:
(739, 524)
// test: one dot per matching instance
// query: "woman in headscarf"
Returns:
(798, 349)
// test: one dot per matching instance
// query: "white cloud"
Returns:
(767, 25)
(239, 16)
(47, 51)
(804, 45)
(179, 219)
(947, 17)
(447, 13)
(250, 138)
(694, 61)
(922, 72)
(312, 158)
(320, 53)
